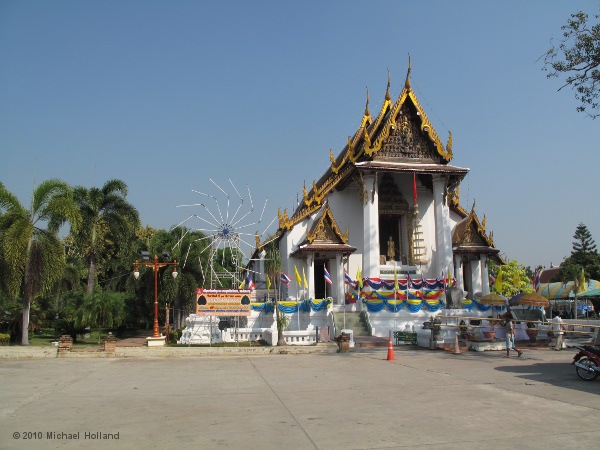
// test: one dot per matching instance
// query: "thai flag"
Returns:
(348, 279)
(250, 282)
(285, 279)
(327, 276)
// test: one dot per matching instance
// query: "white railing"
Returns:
(242, 335)
(303, 337)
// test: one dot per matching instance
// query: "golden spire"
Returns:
(367, 113)
(387, 91)
(407, 82)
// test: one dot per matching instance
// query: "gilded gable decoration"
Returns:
(406, 141)
(326, 230)
(472, 232)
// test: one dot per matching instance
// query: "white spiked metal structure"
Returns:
(224, 230)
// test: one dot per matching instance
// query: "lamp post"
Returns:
(155, 264)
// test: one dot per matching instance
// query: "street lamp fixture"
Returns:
(155, 264)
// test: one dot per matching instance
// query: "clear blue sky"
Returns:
(165, 95)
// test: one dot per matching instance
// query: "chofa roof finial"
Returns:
(387, 91)
(407, 82)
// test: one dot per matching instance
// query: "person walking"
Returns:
(558, 329)
(509, 328)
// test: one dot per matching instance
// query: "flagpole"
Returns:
(298, 302)
(395, 299)
(345, 290)
(325, 284)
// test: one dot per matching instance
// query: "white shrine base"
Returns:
(302, 329)
(155, 341)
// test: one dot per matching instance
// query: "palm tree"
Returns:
(109, 222)
(33, 258)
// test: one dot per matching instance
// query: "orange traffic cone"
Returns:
(390, 355)
(456, 347)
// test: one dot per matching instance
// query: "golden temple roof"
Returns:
(369, 143)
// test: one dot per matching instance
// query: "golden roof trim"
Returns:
(354, 149)
(480, 228)
(320, 224)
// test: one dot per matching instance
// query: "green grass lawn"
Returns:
(46, 336)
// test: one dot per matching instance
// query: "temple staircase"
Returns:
(355, 321)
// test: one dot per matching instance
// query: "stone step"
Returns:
(370, 341)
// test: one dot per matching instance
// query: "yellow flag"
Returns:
(395, 280)
(304, 276)
(359, 279)
(582, 287)
(298, 277)
(498, 285)
(268, 282)
(242, 284)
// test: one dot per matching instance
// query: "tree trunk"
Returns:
(27, 296)
(280, 339)
(25, 322)
(91, 275)
(177, 313)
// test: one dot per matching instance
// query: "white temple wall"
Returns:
(453, 218)
(347, 210)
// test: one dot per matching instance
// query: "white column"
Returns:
(458, 273)
(475, 275)
(370, 267)
(443, 232)
(311, 275)
(485, 279)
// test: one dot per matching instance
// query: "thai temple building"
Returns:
(387, 204)
(382, 232)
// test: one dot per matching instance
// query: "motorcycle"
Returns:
(587, 362)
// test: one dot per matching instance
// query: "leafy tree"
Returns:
(577, 56)
(514, 279)
(109, 223)
(103, 309)
(584, 245)
(32, 257)
(273, 269)
(584, 256)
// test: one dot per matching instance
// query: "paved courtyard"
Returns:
(355, 400)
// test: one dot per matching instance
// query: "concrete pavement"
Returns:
(355, 400)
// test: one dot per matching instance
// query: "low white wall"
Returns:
(306, 337)
(301, 329)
